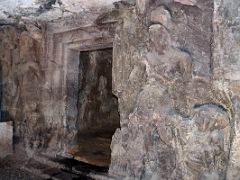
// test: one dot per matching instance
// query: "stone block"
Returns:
(6, 138)
(187, 2)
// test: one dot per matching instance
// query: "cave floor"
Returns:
(11, 168)
(92, 150)
(15, 167)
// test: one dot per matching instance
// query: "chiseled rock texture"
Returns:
(97, 108)
(21, 82)
(176, 74)
(226, 69)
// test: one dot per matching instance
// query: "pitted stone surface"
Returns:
(180, 124)
(175, 73)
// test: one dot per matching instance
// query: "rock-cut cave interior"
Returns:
(97, 117)
(120, 89)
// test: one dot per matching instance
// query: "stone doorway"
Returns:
(97, 108)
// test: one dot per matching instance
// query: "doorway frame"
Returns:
(63, 44)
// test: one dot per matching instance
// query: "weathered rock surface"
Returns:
(226, 69)
(21, 81)
(97, 107)
(6, 138)
(178, 124)
(176, 74)
(48, 9)
(187, 2)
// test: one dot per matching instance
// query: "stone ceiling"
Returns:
(10, 10)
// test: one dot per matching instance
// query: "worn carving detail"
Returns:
(161, 15)
(22, 87)
(180, 125)
(175, 76)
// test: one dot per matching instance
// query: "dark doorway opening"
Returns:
(98, 116)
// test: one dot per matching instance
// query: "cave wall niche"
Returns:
(80, 106)
(97, 108)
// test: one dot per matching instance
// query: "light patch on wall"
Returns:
(10, 5)
(87, 3)
(24, 7)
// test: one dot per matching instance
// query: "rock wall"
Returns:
(175, 72)
(40, 83)
(226, 70)
(97, 107)
(21, 82)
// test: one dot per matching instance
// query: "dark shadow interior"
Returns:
(98, 116)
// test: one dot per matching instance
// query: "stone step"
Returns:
(92, 150)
